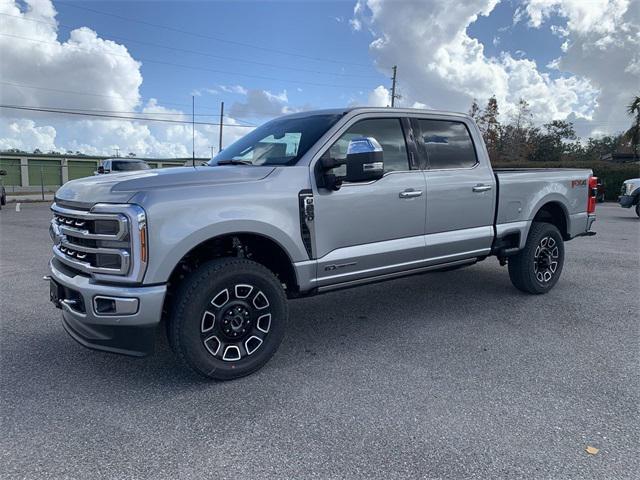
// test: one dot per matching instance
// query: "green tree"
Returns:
(490, 127)
(474, 111)
(553, 142)
(516, 136)
(633, 134)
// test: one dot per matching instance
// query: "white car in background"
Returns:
(630, 194)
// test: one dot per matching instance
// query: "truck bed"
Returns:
(521, 192)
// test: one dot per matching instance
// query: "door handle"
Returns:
(482, 188)
(410, 193)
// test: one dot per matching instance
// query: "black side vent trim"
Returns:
(306, 209)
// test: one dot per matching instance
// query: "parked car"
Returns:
(3, 192)
(115, 165)
(305, 204)
(630, 194)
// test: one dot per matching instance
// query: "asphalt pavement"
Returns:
(445, 375)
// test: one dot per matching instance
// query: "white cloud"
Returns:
(603, 45)
(238, 89)
(24, 134)
(379, 97)
(90, 73)
(84, 63)
(356, 25)
(600, 16)
(261, 103)
(439, 64)
(355, 22)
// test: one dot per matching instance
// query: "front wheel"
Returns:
(638, 209)
(537, 267)
(229, 318)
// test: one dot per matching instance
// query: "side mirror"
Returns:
(364, 160)
(3, 173)
(100, 169)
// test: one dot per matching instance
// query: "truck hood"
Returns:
(120, 187)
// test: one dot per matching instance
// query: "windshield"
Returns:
(278, 142)
(128, 165)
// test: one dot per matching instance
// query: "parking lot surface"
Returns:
(447, 375)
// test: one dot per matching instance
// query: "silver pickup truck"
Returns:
(305, 204)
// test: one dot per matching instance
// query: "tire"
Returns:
(228, 319)
(638, 209)
(3, 200)
(537, 268)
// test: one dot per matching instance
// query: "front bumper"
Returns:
(626, 201)
(131, 334)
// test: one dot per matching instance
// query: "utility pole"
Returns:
(211, 147)
(193, 129)
(221, 115)
(393, 85)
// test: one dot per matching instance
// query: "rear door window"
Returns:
(446, 144)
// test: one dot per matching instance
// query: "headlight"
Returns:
(630, 188)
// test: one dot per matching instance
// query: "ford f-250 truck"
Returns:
(304, 204)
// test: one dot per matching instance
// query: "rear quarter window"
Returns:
(447, 144)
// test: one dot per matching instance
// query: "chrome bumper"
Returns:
(128, 331)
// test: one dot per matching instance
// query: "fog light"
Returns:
(115, 305)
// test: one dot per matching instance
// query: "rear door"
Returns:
(367, 229)
(460, 190)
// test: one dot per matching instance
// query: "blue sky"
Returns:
(570, 59)
(306, 28)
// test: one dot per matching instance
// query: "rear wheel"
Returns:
(229, 318)
(537, 268)
(638, 209)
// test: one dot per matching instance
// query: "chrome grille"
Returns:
(99, 242)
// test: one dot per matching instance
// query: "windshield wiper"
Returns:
(234, 162)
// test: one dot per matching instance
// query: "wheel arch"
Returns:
(555, 213)
(258, 247)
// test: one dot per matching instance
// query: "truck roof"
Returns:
(345, 110)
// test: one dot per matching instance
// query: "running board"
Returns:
(390, 276)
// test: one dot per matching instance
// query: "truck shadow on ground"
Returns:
(361, 317)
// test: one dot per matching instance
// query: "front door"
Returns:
(368, 229)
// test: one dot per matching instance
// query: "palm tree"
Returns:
(634, 132)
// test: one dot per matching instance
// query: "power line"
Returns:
(194, 67)
(22, 85)
(249, 124)
(195, 52)
(211, 37)
(122, 117)
(180, 114)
